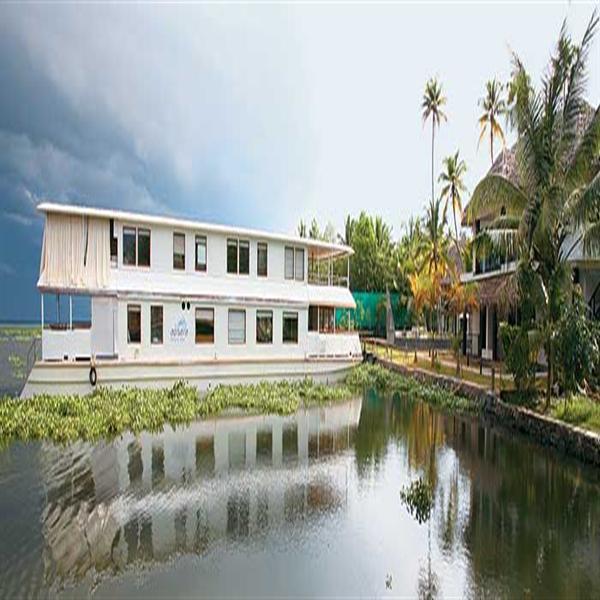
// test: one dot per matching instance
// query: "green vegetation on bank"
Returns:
(106, 413)
(578, 410)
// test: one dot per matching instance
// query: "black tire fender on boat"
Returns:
(93, 376)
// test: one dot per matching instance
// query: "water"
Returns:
(301, 505)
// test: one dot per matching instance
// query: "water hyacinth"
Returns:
(106, 412)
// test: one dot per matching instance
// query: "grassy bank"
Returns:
(106, 413)
(578, 410)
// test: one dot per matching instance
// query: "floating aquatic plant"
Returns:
(108, 412)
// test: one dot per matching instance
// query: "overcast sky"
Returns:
(250, 115)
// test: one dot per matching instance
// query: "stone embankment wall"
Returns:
(581, 443)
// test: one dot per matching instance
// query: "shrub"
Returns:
(576, 346)
(519, 356)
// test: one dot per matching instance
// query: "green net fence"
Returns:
(369, 314)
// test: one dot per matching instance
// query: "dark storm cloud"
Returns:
(176, 111)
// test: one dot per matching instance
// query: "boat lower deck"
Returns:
(69, 377)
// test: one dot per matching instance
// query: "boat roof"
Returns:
(318, 247)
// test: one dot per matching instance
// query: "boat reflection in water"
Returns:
(150, 497)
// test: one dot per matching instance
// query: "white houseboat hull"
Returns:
(74, 377)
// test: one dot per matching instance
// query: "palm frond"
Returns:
(584, 204)
(576, 83)
(586, 155)
(591, 240)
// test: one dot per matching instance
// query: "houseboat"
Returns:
(175, 299)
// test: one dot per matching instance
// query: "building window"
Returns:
(156, 324)
(261, 259)
(244, 248)
(129, 257)
(237, 326)
(205, 325)
(114, 243)
(179, 251)
(289, 263)
(290, 327)
(264, 326)
(238, 257)
(143, 247)
(232, 256)
(313, 318)
(136, 247)
(299, 264)
(201, 253)
(134, 323)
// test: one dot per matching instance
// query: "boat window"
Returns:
(200, 253)
(244, 257)
(232, 256)
(143, 247)
(205, 325)
(114, 243)
(129, 246)
(313, 318)
(156, 324)
(261, 259)
(179, 251)
(237, 326)
(289, 263)
(299, 264)
(264, 326)
(134, 323)
(290, 327)
(326, 319)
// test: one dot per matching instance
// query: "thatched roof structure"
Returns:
(505, 163)
(500, 291)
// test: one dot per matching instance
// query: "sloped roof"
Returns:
(505, 164)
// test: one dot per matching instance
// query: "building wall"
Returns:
(184, 346)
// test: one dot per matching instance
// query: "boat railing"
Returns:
(328, 279)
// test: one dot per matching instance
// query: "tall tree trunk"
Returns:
(432, 146)
(550, 359)
(492, 142)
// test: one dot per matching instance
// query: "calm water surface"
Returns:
(301, 505)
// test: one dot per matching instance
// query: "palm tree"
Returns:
(553, 205)
(452, 179)
(349, 226)
(435, 246)
(302, 229)
(419, 287)
(433, 101)
(494, 106)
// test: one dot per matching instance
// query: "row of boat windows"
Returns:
(136, 252)
(205, 325)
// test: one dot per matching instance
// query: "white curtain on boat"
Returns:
(75, 252)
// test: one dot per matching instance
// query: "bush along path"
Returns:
(106, 413)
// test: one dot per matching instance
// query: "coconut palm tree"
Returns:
(453, 187)
(419, 287)
(553, 204)
(349, 226)
(435, 244)
(494, 106)
(433, 101)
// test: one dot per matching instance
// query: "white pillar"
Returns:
(42, 311)
(348, 272)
